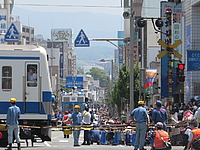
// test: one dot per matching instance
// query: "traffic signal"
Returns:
(141, 22)
(180, 73)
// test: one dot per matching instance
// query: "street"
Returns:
(60, 143)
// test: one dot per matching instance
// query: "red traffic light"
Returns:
(181, 66)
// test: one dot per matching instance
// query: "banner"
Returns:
(150, 78)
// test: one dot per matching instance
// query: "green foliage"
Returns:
(121, 91)
(80, 70)
(99, 74)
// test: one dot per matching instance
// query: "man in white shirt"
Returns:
(86, 121)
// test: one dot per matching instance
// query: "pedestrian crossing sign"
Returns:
(12, 34)
(82, 40)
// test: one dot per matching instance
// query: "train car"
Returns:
(24, 75)
(68, 103)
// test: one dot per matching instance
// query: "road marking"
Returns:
(47, 144)
(63, 141)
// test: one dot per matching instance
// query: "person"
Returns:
(65, 122)
(95, 136)
(158, 136)
(76, 118)
(32, 76)
(194, 133)
(12, 122)
(160, 114)
(197, 115)
(140, 116)
(185, 134)
(86, 121)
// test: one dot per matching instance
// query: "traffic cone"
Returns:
(103, 137)
(116, 138)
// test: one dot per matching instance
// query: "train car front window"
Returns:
(32, 75)
(6, 77)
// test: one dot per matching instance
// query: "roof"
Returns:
(18, 47)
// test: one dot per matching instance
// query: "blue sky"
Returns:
(112, 6)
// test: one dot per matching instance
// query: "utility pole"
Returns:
(131, 58)
(170, 73)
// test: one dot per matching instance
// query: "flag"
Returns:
(150, 78)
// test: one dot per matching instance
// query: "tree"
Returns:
(121, 92)
(80, 70)
(99, 74)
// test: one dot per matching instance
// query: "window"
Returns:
(27, 30)
(6, 77)
(32, 75)
(32, 31)
(23, 29)
(27, 39)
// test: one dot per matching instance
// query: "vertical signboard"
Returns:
(188, 45)
(135, 47)
(61, 65)
(3, 24)
(165, 38)
(188, 86)
(121, 45)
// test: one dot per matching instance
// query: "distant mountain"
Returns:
(95, 25)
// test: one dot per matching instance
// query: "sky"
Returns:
(95, 6)
(98, 18)
(71, 9)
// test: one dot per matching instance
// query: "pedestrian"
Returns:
(86, 121)
(194, 133)
(12, 123)
(160, 114)
(158, 136)
(140, 116)
(65, 122)
(197, 115)
(76, 118)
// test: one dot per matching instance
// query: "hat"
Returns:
(12, 100)
(159, 125)
(32, 68)
(76, 106)
(141, 102)
(66, 112)
(158, 102)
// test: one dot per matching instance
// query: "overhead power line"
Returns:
(57, 5)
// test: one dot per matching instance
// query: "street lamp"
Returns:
(110, 60)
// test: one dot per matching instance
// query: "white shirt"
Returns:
(197, 114)
(86, 117)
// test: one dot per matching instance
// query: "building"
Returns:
(191, 43)
(28, 34)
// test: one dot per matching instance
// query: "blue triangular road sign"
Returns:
(82, 40)
(12, 35)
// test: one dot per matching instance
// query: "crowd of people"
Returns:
(141, 116)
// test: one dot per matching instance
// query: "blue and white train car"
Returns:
(33, 94)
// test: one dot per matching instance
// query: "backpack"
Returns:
(196, 143)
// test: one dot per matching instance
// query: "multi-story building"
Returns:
(191, 42)
(28, 34)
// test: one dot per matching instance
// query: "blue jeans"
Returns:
(76, 134)
(11, 129)
(140, 135)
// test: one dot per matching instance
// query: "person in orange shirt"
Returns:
(158, 136)
(194, 133)
(66, 122)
